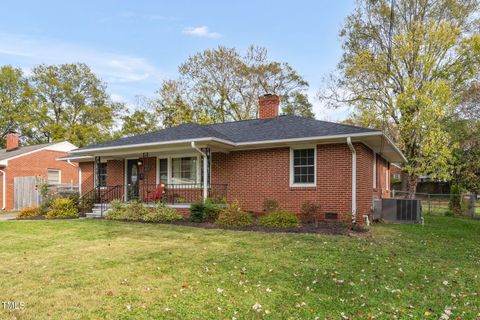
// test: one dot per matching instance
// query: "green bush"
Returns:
(162, 213)
(46, 205)
(62, 208)
(212, 209)
(233, 216)
(133, 210)
(117, 211)
(28, 213)
(75, 197)
(280, 219)
(206, 211)
(197, 211)
(270, 205)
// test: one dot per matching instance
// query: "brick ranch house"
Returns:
(41, 160)
(287, 158)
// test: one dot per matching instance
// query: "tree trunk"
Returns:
(412, 181)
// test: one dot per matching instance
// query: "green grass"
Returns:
(86, 269)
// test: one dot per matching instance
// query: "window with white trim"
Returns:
(53, 176)
(163, 170)
(303, 167)
(184, 170)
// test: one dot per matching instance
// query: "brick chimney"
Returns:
(13, 140)
(268, 106)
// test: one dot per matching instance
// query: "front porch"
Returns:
(97, 201)
(175, 176)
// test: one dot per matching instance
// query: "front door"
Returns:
(132, 180)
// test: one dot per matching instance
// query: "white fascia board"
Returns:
(151, 144)
(307, 139)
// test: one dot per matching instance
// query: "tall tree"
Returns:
(219, 85)
(72, 105)
(16, 97)
(140, 120)
(464, 128)
(406, 65)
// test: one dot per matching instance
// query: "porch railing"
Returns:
(175, 193)
(172, 194)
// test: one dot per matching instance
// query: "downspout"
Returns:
(205, 170)
(354, 180)
(4, 188)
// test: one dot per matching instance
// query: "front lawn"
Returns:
(84, 269)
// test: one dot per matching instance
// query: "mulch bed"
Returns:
(327, 228)
(331, 228)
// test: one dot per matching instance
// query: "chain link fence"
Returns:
(440, 204)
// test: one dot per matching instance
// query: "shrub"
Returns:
(162, 213)
(270, 205)
(197, 211)
(118, 211)
(62, 208)
(133, 210)
(233, 216)
(280, 219)
(212, 209)
(206, 211)
(310, 212)
(46, 205)
(28, 213)
(75, 197)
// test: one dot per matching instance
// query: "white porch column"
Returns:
(205, 177)
(205, 170)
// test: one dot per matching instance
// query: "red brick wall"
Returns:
(36, 164)
(256, 175)
(88, 172)
(115, 172)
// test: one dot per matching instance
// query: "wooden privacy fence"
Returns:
(26, 193)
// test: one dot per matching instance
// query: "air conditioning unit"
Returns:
(398, 210)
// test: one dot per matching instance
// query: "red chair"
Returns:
(156, 195)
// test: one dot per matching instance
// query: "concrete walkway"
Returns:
(7, 216)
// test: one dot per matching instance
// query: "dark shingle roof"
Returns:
(283, 127)
(280, 128)
(4, 154)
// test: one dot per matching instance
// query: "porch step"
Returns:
(97, 210)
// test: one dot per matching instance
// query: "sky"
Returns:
(133, 45)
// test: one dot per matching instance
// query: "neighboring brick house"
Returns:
(40, 160)
(287, 158)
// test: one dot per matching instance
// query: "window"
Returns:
(102, 174)
(374, 170)
(163, 170)
(54, 176)
(303, 167)
(184, 170)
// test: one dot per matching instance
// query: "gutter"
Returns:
(354, 180)
(4, 188)
(205, 170)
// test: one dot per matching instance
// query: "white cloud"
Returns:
(111, 67)
(201, 31)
